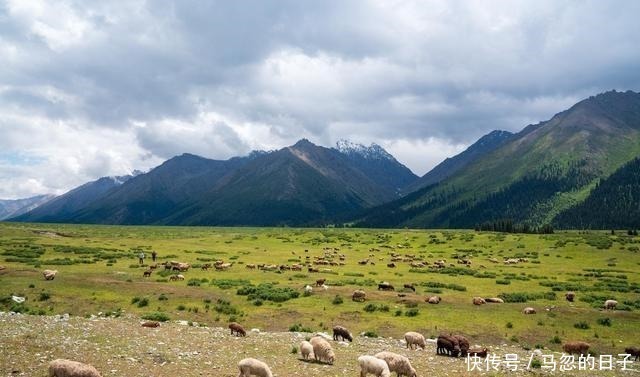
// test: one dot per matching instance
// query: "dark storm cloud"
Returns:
(220, 78)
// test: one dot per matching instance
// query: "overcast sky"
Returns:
(89, 89)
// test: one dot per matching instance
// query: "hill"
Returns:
(614, 203)
(303, 184)
(536, 174)
(16, 207)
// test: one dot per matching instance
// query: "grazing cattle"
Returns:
(385, 286)
(434, 300)
(447, 345)
(311, 269)
(237, 329)
(580, 348)
(205, 267)
(341, 332)
(363, 262)
(358, 295)
(146, 274)
(478, 301)
(320, 282)
(153, 266)
(410, 286)
(529, 310)
(633, 351)
(570, 296)
(150, 324)
(610, 304)
(250, 266)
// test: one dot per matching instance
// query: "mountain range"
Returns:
(554, 172)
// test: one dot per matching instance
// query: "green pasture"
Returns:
(98, 272)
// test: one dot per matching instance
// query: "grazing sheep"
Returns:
(150, 324)
(253, 367)
(322, 350)
(341, 332)
(176, 277)
(570, 296)
(415, 338)
(237, 329)
(391, 265)
(494, 300)
(49, 274)
(358, 295)
(385, 286)
(580, 348)
(610, 304)
(146, 274)
(447, 345)
(434, 299)
(633, 351)
(528, 310)
(70, 368)
(308, 289)
(373, 365)
(397, 363)
(306, 349)
(410, 286)
(463, 343)
(478, 352)
(478, 301)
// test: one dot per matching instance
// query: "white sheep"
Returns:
(253, 367)
(415, 338)
(70, 368)
(308, 289)
(322, 350)
(306, 349)
(49, 274)
(373, 365)
(397, 363)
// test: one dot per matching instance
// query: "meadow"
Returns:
(99, 274)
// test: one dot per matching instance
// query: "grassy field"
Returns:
(99, 273)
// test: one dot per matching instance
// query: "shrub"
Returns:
(555, 340)
(503, 281)
(229, 283)
(412, 312)
(181, 307)
(135, 300)
(44, 296)
(294, 350)
(257, 302)
(162, 297)
(156, 316)
(536, 363)
(268, 292)
(193, 283)
(509, 325)
(604, 322)
(370, 308)
(299, 328)
(143, 302)
(582, 325)
(337, 300)
(370, 334)
(225, 307)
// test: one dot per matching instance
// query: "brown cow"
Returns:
(237, 329)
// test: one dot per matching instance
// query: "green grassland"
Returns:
(99, 273)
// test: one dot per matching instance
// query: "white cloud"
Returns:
(97, 88)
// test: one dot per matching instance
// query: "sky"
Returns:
(97, 88)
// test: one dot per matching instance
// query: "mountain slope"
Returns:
(64, 207)
(450, 166)
(377, 164)
(613, 204)
(148, 198)
(539, 172)
(16, 207)
(298, 185)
